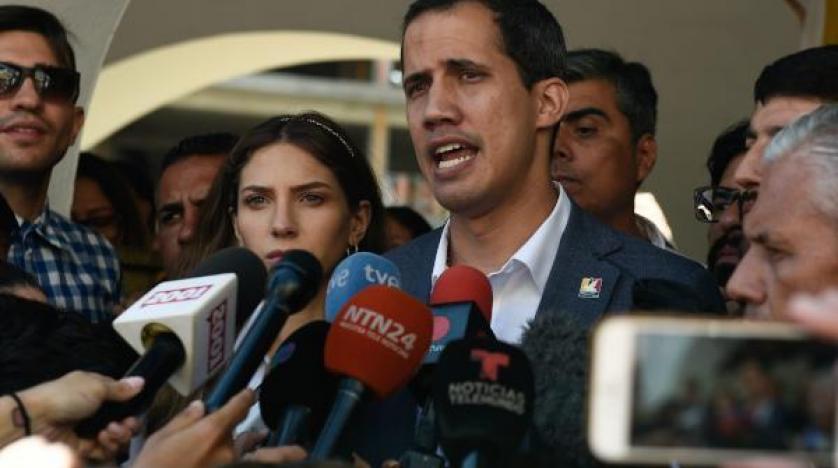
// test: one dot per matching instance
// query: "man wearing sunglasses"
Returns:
(721, 205)
(39, 120)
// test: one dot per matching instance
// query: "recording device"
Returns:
(296, 394)
(377, 342)
(483, 399)
(355, 273)
(184, 329)
(293, 282)
(557, 347)
(461, 303)
(705, 391)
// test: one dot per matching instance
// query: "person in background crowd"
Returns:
(605, 146)
(793, 225)
(135, 172)
(186, 174)
(402, 224)
(722, 205)
(39, 120)
(103, 202)
(790, 87)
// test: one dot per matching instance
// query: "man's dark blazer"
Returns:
(588, 249)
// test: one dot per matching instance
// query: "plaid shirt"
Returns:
(77, 268)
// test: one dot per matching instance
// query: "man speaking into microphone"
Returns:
(484, 94)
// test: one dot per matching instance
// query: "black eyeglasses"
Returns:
(710, 202)
(60, 84)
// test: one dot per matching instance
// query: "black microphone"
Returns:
(171, 319)
(297, 393)
(294, 281)
(461, 302)
(483, 399)
(557, 347)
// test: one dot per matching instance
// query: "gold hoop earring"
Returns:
(352, 249)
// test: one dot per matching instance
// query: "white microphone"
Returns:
(185, 329)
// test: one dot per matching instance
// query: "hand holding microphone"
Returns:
(52, 408)
(184, 329)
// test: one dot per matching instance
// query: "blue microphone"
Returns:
(356, 273)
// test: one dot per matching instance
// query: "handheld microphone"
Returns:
(461, 303)
(483, 399)
(377, 342)
(184, 330)
(355, 273)
(295, 396)
(294, 281)
(558, 349)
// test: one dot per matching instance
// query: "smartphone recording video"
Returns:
(705, 391)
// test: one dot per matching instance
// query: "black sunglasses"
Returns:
(710, 202)
(60, 84)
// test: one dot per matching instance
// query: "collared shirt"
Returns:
(77, 268)
(518, 285)
(653, 234)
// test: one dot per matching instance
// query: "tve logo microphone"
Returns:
(356, 273)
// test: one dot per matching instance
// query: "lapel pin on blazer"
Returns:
(590, 287)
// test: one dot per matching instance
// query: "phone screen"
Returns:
(733, 393)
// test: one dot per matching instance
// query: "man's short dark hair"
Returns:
(205, 144)
(36, 20)
(636, 95)
(810, 73)
(12, 277)
(530, 34)
(728, 145)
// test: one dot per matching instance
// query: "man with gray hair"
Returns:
(793, 226)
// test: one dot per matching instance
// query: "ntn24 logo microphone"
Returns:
(376, 326)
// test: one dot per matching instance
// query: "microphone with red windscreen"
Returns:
(377, 342)
(461, 303)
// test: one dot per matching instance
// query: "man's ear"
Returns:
(78, 121)
(551, 97)
(646, 152)
(360, 222)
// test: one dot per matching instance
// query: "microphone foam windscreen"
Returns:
(461, 283)
(249, 270)
(557, 346)
(298, 376)
(355, 273)
(483, 396)
(379, 338)
(296, 278)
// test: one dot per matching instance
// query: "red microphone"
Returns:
(461, 301)
(377, 342)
